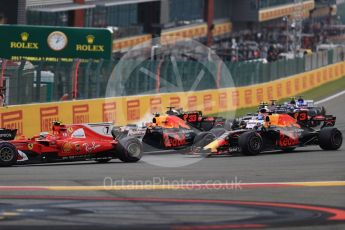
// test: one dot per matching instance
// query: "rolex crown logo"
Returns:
(24, 36)
(90, 39)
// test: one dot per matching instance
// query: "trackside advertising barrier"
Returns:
(33, 118)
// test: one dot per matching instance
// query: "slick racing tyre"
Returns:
(330, 138)
(117, 133)
(250, 143)
(201, 140)
(8, 154)
(129, 149)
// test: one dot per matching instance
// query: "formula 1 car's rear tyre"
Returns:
(129, 149)
(117, 133)
(250, 143)
(8, 154)
(330, 138)
(201, 140)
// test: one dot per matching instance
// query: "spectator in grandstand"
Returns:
(2, 18)
(272, 53)
(264, 51)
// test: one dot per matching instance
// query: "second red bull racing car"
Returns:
(272, 132)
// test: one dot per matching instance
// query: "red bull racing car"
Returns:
(314, 116)
(272, 132)
(164, 132)
(174, 130)
(71, 143)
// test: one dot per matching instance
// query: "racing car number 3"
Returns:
(190, 117)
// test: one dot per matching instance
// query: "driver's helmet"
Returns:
(263, 112)
(300, 101)
(179, 110)
(173, 112)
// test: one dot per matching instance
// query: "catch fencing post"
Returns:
(75, 79)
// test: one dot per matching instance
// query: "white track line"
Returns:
(330, 97)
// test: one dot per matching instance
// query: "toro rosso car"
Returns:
(71, 143)
(274, 131)
(198, 121)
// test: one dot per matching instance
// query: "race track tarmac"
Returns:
(299, 190)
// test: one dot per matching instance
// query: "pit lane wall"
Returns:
(34, 118)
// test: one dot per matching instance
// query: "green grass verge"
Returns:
(320, 92)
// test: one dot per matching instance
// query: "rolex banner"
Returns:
(43, 43)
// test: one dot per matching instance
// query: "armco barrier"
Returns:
(33, 118)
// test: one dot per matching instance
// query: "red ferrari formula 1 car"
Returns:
(71, 143)
(276, 131)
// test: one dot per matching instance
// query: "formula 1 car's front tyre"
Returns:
(8, 154)
(129, 149)
(250, 143)
(330, 138)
